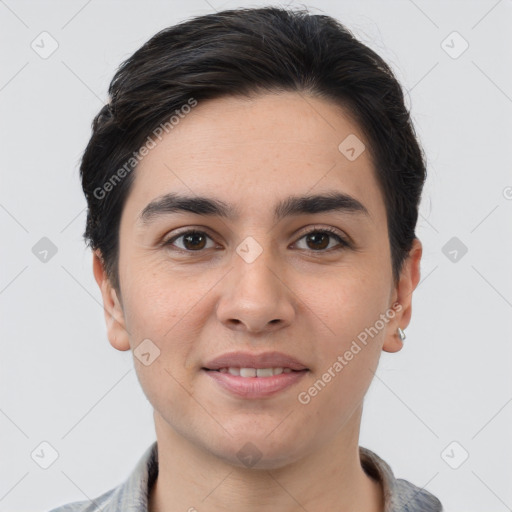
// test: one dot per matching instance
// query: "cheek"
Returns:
(155, 300)
(349, 304)
(151, 310)
(356, 317)
(163, 314)
(330, 398)
(168, 311)
(341, 380)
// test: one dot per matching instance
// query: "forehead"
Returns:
(249, 152)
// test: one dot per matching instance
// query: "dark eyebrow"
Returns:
(293, 205)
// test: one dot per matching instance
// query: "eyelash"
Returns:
(344, 244)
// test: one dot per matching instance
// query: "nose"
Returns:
(255, 297)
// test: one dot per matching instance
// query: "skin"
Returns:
(196, 305)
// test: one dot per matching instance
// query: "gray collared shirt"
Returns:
(132, 495)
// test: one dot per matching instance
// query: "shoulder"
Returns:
(131, 494)
(93, 505)
(411, 498)
(399, 495)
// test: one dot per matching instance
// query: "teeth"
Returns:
(248, 372)
(264, 372)
(254, 372)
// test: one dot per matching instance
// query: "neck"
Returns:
(329, 478)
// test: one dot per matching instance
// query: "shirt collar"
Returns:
(133, 494)
(379, 470)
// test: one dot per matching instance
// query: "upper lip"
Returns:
(248, 360)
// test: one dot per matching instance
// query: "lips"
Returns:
(249, 360)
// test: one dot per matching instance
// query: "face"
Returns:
(256, 278)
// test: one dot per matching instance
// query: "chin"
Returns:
(255, 449)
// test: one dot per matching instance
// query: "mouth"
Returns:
(246, 374)
(248, 362)
(254, 383)
(254, 372)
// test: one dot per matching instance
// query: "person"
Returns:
(253, 187)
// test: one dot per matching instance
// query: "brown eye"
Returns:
(192, 240)
(318, 240)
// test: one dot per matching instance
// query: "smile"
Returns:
(254, 372)
(253, 383)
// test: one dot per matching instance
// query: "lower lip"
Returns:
(255, 387)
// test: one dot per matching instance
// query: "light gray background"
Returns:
(62, 382)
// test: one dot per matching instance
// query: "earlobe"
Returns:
(394, 342)
(113, 311)
(117, 334)
(409, 279)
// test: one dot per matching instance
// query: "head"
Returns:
(273, 124)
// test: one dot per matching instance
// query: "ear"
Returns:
(114, 315)
(402, 298)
